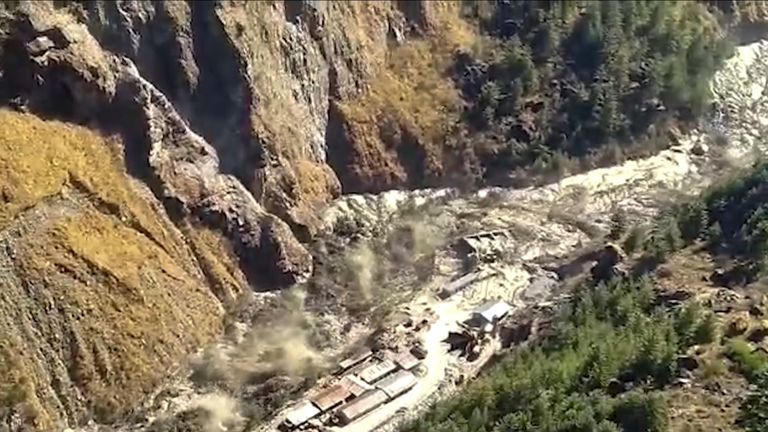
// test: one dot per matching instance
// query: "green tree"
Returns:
(754, 411)
(640, 412)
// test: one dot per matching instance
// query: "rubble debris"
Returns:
(516, 333)
(485, 246)
(463, 282)
(541, 284)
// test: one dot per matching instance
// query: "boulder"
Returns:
(737, 325)
(607, 265)
(699, 149)
(687, 362)
(759, 333)
(615, 387)
(756, 310)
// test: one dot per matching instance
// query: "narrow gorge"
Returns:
(205, 204)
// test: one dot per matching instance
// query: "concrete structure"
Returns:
(405, 360)
(484, 246)
(331, 397)
(397, 383)
(376, 371)
(355, 385)
(361, 406)
(490, 313)
(463, 282)
(300, 414)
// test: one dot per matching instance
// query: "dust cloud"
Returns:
(222, 412)
(280, 345)
(361, 263)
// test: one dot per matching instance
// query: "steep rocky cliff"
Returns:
(229, 125)
(100, 293)
(286, 97)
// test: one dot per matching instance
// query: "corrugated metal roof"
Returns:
(373, 372)
(355, 385)
(355, 359)
(397, 384)
(301, 413)
(331, 397)
(362, 405)
(493, 310)
(405, 360)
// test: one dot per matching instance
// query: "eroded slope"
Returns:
(100, 293)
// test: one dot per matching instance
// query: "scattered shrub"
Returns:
(750, 363)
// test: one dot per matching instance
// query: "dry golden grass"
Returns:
(135, 300)
(413, 92)
(116, 263)
(314, 181)
(219, 263)
(39, 158)
(17, 386)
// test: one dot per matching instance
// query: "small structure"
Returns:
(376, 371)
(405, 360)
(361, 406)
(300, 414)
(490, 313)
(355, 385)
(483, 246)
(463, 282)
(331, 397)
(355, 360)
(397, 383)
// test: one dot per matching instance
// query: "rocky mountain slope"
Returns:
(124, 248)
(100, 292)
(211, 135)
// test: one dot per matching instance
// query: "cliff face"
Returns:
(292, 99)
(233, 123)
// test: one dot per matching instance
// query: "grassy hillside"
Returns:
(100, 294)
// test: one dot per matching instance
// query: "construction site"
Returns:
(458, 329)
